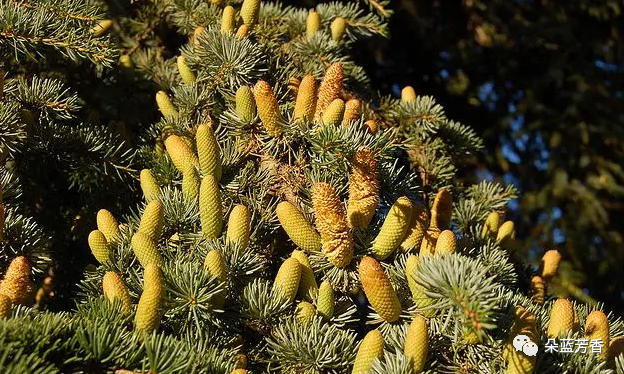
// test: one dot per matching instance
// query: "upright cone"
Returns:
(114, 288)
(550, 264)
(308, 289)
(492, 224)
(331, 223)
(379, 290)
(208, 151)
(338, 28)
(330, 88)
(417, 343)
(561, 318)
(408, 94)
(537, 291)
(107, 224)
(239, 226)
(306, 99)
(149, 186)
(165, 105)
(287, 279)
(228, 20)
(210, 207)
(419, 222)
(371, 348)
(185, 71)
(99, 247)
(298, 228)
(363, 189)
(442, 210)
(326, 300)
(181, 154)
(145, 249)
(393, 229)
(148, 311)
(153, 220)
(446, 243)
(268, 109)
(249, 12)
(17, 284)
(313, 23)
(245, 104)
(332, 116)
(597, 328)
(352, 111)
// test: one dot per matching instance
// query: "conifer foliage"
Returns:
(293, 221)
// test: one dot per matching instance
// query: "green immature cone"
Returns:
(338, 28)
(148, 311)
(215, 265)
(228, 20)
(287, 279)
(306, 99)
(492, 224)
(126, 61)
(417, 343)
(165, 105)
(153, 220)
(298, 228)
(313, 23)
(421, 300)
(101, 27)
(149, 186)
(107, 224)
(239, 226)
(419, 222)
(99, 247)
(185, 71)
(371, 348)
(332, 116)
(114, 288)
(190, 184)
(394, 228)
(245, 104)
(305, 312)
(145, 249)
(308, 289)
(326, 300)
(210, 207)
(268, 109)
(181, 153)
(208, 151)
(249, 12)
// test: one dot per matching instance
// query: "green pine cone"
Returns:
(245, 104)
(210, 207)
(99, 247)
(148, 311)
(145, 249)
(208, 151)
(326, 300)
(153, 220)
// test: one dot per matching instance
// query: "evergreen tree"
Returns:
(295, 221)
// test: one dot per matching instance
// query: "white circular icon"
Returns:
(523, 343)
(530, 349)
